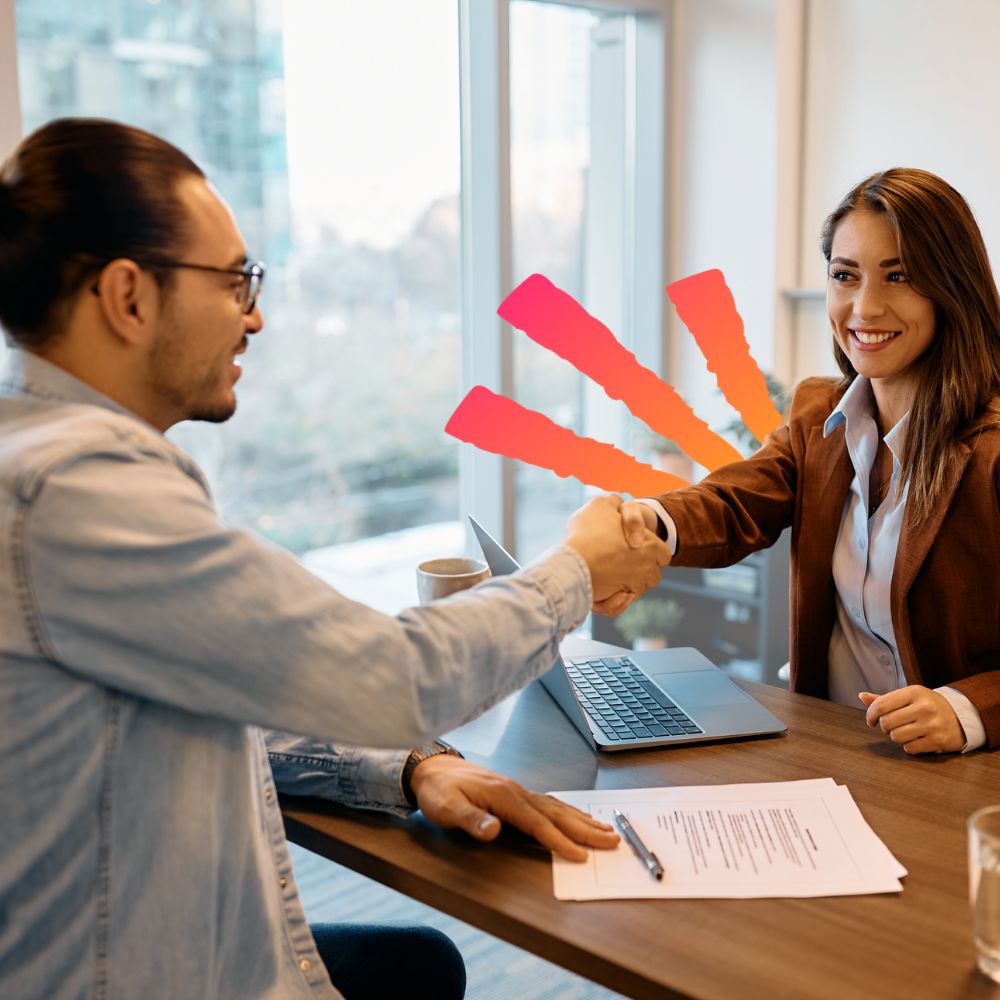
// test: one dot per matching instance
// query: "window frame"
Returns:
(487, 482)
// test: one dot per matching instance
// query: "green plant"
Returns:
(650, 619)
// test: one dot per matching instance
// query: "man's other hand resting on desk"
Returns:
(453, 792)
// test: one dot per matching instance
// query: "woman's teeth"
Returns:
(874, 338)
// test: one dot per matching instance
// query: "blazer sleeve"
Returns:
(745, 506)
(983, 689)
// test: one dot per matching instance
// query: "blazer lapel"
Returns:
(915, 541)
(830, 468)
(825, 481)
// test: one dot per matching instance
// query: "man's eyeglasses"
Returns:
(247, 292)
(252, 275)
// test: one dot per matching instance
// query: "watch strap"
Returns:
(417, 756)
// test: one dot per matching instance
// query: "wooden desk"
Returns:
(917, 944)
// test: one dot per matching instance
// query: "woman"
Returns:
(889, 477)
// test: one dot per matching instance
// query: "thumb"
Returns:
(866, 697)
(479, 823)
(633, 525)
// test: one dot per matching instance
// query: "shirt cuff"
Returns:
(968, 717)
(668, 522)
(363, 777)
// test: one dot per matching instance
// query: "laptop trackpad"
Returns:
(701, 689)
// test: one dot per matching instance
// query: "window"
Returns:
(575, 182)
(334, 132)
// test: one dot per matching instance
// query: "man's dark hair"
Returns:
(75, 194)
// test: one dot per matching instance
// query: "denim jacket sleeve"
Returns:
(363, 777)
(131, 581)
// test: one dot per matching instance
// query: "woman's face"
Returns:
(880, 321)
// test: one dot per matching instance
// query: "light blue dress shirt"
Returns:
(863, 652)
(863, 655)
(144, 648)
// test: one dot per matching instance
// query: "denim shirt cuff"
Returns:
(362, 777)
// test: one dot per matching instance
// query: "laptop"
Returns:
(621, 700)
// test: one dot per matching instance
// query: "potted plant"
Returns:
(647, 623)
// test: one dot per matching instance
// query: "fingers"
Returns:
(456, 793)
(879, 705)
(559, 827)
(549, 822)
(615, 604)
(474, 821)
(916, 718)
(637, 519)
(612, 564)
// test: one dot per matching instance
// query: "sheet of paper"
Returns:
(795, 838)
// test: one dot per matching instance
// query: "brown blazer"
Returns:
(945, 591)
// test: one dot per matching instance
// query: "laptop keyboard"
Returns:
(613, 695)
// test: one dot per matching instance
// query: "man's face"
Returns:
(193, 363)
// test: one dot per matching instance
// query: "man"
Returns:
(145, 646)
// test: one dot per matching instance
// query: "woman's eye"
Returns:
(896, 277)
(841, 275)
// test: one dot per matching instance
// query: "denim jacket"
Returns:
(145, 647)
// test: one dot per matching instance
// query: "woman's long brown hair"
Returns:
(958, 376)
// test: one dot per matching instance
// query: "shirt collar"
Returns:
(25, 373)
(857, 404)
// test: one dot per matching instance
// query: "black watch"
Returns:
(418, 755)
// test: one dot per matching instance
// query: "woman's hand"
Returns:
(918, 719)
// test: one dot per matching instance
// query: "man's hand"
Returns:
(918, 719)
(617, 567)
(457, 793)
(638, 522)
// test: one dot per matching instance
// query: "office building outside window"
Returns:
(332, 131)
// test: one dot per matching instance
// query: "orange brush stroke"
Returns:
(499, 425)
(552, 318)
(706, 305)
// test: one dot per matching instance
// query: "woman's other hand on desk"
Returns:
(453, 792)
(918, 719)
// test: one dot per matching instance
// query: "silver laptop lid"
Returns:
(555, 680)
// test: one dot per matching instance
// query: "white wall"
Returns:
(895, 83)
(722, 177)
(10, 109)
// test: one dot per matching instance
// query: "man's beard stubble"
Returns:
(191, 397)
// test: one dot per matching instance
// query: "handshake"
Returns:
(619, 544)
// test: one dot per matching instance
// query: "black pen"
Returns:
(649, 860)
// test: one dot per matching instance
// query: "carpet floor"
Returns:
(496, 970)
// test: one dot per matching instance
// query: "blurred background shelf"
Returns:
(737, 616)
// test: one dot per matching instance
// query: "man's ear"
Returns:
(129, 299)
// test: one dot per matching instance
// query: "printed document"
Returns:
(788, 838)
